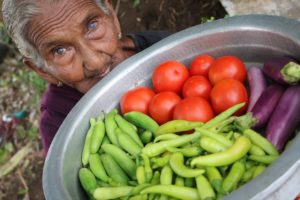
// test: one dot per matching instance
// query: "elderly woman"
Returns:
(72, 44)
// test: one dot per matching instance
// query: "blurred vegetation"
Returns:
(4, 36)
(136, 3)
(206, 19)
(20, 92)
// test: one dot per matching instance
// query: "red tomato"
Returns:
(162, 105)
(137, 99)
(193, 109)
(197, 86)
(228, 93)
(201, 64)
(169, 76)
(227, 67)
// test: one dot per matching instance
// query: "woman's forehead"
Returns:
(55, 7)
(55, 16)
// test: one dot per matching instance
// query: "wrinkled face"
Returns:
(77, 40)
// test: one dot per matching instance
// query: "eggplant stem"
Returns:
(291, 73)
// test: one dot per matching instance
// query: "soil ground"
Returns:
(25, 182)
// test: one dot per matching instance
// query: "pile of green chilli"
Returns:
(132, 157)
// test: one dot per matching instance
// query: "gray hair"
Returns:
(16, 17)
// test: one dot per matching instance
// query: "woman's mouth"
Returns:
(106, 71)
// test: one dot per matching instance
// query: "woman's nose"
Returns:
(92, 60)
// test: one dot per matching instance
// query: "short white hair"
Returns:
(16, 17)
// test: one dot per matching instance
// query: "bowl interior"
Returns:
(254, 39)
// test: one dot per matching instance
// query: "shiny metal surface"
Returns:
(253, 38)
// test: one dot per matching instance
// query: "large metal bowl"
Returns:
(254, 38)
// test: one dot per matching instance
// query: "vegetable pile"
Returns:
(190, 136)
(196, 93)
(276, 105)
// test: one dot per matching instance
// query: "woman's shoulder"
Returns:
(145, 39)
(57, 102)
(60, 99)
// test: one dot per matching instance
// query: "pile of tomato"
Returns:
(196, 92)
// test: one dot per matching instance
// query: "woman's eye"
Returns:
(59, 51)
(92, 25)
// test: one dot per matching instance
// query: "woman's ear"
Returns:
(40, 71)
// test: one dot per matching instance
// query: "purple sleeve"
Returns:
(56, 104)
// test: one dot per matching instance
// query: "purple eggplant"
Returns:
(266, 104)
(257, 84)
(285, 118)
(283, 70)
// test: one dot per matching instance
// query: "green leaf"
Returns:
(37, 82)
(136, 3)
(15, 160)
(9, 147)
(23, 191)
(21, 132)
(3, 155)
(207, 19)
(33, 132)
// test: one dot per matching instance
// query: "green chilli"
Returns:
(87, 142)
(97, 168)
(210, 145)
(234, 176)
(175, 126)
(146, 136)
(179, 181)
(106, 140)
(102, 183)
(219, 127)
(127, 128)
(112, 192)
(248, 174)
(148, 169)
(141, 120)
(238, 150)
(265, 159)
(256, 150)
(155, 149)
(204, 188)
(223, 116)
(155, 178)
(87, 180)
(166, 175)
(167, 136)
(216, 136)
(98, 135)
(139, 197)
(127, 143)
(166, 178)
(111, 125)
(180, 192)
(137, 189)
(113, 169)
(160, 161)
(177, 165)
(261, 141)
(140, 174)
(215, 178)
(190, 151)
(122, 158)
(258, 170)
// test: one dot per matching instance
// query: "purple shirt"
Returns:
(57, 102)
